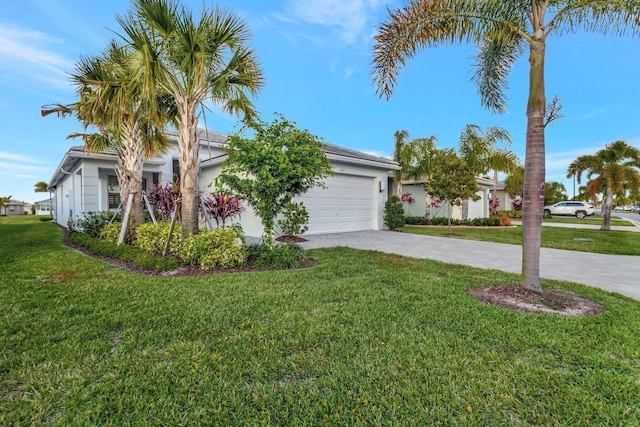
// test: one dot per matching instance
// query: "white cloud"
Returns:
(17, 157)
(351, 19)
(12, 167)
(31, 53)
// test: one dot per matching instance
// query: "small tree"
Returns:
(452, 180)
(394, 213)
(279, 163)
(295, 219)
(4, 201)
(554, 192)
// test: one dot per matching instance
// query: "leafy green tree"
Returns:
(514, 182)
(41, 187)
(614, 169)
(452, 180)
(279, 163)
(554, 192)
(480, 150)
(194, 62)
(503, 31)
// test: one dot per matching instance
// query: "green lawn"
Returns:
(362, 339)
(595, 220)
(609, 242)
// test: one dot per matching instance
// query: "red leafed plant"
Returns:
(493, 207)
(408, 198)
(164, 198)
(517, 204)
(222, 207)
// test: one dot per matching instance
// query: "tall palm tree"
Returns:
(193, 62)
(480, 150)
(132, 126)
(503, 30)
(614, 168)
(402, 154)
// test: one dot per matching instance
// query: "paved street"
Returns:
(611, 272)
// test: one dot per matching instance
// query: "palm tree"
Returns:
(193, 62)
(41, 187)
(503, 30)
(480, 151)
(402, 154)
(127, 123)
(615, 169)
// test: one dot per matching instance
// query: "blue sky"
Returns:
(316, 56)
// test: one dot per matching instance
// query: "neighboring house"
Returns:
(470, 208)
(43, 207)
(13, 207)
(506, 202)
(353, 198)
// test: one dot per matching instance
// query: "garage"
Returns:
(346, 204)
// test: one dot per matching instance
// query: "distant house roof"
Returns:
(45, 201)
(14, 203)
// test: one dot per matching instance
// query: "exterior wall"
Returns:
(13, 208)
(252, 225)
(476, 209)
(85, 187)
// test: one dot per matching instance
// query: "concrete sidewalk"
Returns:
(614, 273)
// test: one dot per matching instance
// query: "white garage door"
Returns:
(346, 204)
(476, 208)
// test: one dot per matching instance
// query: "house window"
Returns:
(113, 192)
(176, 170)
(12, 208)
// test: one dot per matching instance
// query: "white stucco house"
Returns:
(470, 209)
(353, 198)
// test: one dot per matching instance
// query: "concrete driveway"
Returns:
(614, 273)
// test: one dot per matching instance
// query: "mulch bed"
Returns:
(557, 301)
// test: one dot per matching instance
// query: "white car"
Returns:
(577, 209)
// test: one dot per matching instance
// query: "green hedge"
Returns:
(511, 213)
(126, 253)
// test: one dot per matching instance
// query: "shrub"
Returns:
(153, 237)
(164, 199)
(111, 232)
(393, 213)
(295, 219)
(443, 220)
(127, 253)
(511, 213)
(211, 250)
(92, 223)
(416, 220)
(486, 222)
(282, 255)
(505, 221)
(222, 207)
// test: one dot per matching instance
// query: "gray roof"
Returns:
(346, 152)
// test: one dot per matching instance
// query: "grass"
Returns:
(609, 242)
(594, 220)
(363, 338)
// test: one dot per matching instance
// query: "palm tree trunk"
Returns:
(534, 170)
(189, 151)
(606, 212)
(495, 189)
(133, 155)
